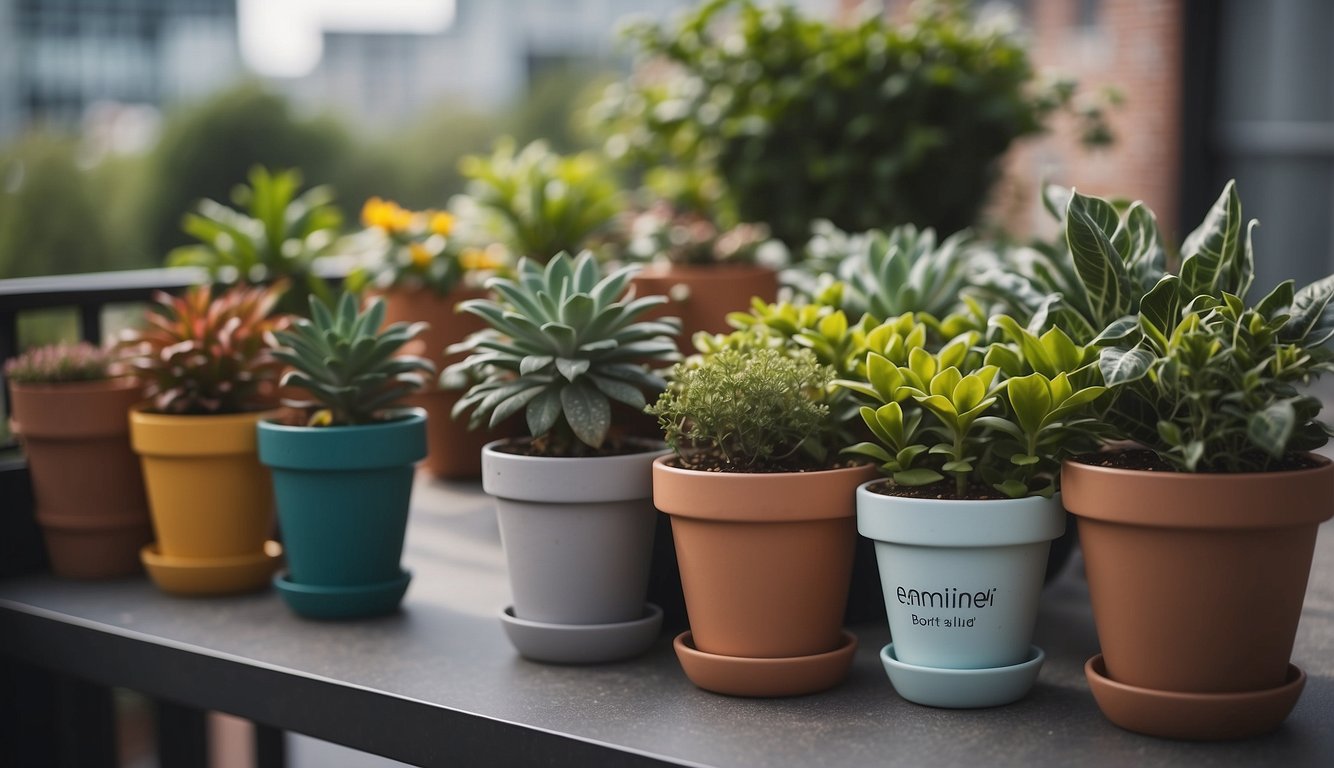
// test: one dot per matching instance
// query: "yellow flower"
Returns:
(421, 257)
(385, 214)
(441, 223)
(476, 258)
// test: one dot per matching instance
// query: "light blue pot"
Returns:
(961, 579)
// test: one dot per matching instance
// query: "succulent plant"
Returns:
(884, 274)
(564, 341)
(206, 355)
(61, 363)
(347, 363)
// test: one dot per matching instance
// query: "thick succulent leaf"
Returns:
(543, 411)
(587, 411)
(571, 369)
(620, 391)
(870, 450)
(513, 404)
(917, 477)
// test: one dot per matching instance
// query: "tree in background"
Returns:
(788, 119)
(49, 220)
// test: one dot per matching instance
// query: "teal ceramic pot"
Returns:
(343, 495)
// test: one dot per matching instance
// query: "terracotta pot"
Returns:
(702, 296)
(1197, 580)
(211, 501)
(89, 491)
(765, 558)
(453, 450)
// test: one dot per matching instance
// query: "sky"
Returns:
(284, 38)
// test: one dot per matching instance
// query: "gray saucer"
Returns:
(582, 643)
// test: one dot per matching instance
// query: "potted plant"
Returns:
(343, 479)
(707, 269)
(573, 501)
(276, 234)
(761, 512)
(69, 409)
(971, 439)
(210, 378)
(1198, 539)
(416, 262)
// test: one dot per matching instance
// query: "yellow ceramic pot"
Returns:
(210, 500)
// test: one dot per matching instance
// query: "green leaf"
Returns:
(571, 369)
(916, 477)
(1161, 306)
(870, 450)
(1024, 460)
(1277, 301)
(1312, 320)
(1096, 260)
(1030, 396)
(1012, 488)
(1271, 429)
(587, 411)
(1210, 262)
(1119, 329)
(1121, 366)
(543, 411)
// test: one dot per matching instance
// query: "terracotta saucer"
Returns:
(962, 688)
(212, 576)
(744, 676)
(357, 601)
(582, 643)
(1193, 716)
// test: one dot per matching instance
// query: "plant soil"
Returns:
(541, 447)
(943, 489)
(1144, 460)
(713, 461)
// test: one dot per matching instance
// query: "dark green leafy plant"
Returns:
(274, 233)
(564, 342)
(747, 410)
(202, 354)
(1203, 378)
(60, 363)
(801, 119)
(976, 420)
(546, 203)
(347, 363)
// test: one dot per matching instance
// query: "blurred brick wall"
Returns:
(1132, 45)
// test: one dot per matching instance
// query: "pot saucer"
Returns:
(745, 676)
(213, 575)
(1193, 716)
(962, 688)
(355, 601)
(582, 643)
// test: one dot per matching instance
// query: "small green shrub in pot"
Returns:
(564, 343)
(1209, 384)
(756, 487)
(804, 119)
(971, 437)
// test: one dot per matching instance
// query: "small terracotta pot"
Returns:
(1197, 580)
(453, 450)
(89, 491)
(765, 558)
(702, 296)
(211, 501)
